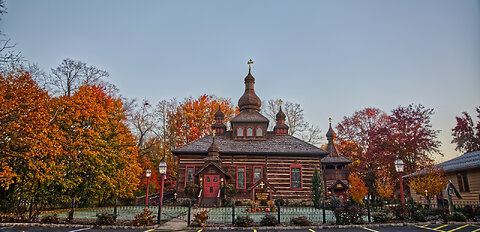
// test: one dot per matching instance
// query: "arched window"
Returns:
(239, 131)
(259, 132)
(249, 131)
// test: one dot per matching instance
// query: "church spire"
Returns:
(331, 148)
(249, 100)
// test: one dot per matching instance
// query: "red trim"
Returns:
(296, 165)
(186, 169)
(256, 131)
(243, 132)
(246, 132)
(244, 177)
(261, 172)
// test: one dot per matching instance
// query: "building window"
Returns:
(241, 177)
(259, 132)
(189, 172)
(295, 176)
(257, 173)
(249, 132)
(239, 131)
(463, 182)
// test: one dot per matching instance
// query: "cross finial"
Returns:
(330, 120)
(280, 101)
(213, 133)
(250, 62)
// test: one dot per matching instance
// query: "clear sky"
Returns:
(332, 57)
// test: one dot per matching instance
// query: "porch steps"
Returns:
(208, 201)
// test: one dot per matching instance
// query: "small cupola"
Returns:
(218, 125)
(213, 153)
(280, 127)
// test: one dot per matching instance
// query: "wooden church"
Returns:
(260, 164)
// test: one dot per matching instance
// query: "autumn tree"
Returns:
(429, 182)
(100, 156)
(384, 186)
(28, 151)
(466, 135)
(412, 137)
(358, 190)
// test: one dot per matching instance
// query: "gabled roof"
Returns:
(274, 144)
(465, 161)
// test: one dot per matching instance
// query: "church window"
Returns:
(295, 176)
(257, 173)
(463, 182)
(241, 177)
(259, 132)
(239, 131)
(189, 172)
(249, 132)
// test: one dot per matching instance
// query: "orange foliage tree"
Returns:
(429, 182)
(357, 188)
(384, 184)
(28, 151)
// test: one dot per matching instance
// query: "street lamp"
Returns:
(399, 166)
(147, 174)
(162, 169)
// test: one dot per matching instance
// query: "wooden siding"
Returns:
(276, 170)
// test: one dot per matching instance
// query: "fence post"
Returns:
(115, 209)
(189, 211)
(324, 219)
(233, 213)
(368, 208)
(278, 206)
(413, 207)
(31, 208)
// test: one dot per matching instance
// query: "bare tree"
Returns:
(9, 58)
(71, 74)
(312, 135)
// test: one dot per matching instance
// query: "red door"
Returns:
(211, 185)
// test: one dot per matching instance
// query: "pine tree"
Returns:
(317, 189)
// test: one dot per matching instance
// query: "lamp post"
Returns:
(147, 174)
(399, 166)
(162, 169)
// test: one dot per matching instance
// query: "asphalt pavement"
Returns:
(366, 228)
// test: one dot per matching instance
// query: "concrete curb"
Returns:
(281, 227)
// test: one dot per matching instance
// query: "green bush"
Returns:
(144, 218)
(105, 219)
(300, 221)
(50, 219)
(229, 190)
(280, 201)
(226, 202)
(192, 190)
(381, 217)
(458, 217)
(349, 214)
(418, 216)
(269, 220)
(243, 221)
(400, 212)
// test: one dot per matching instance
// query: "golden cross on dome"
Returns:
(213, 133)
(330, 119)
(250, 62)
(280, 101)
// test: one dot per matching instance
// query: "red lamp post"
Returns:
(147, 174)
(399, 166)
(162, 169)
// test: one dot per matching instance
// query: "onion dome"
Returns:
(218, 126)
(280, 115)
(280, 127)
(330, 133)
(249, 100)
